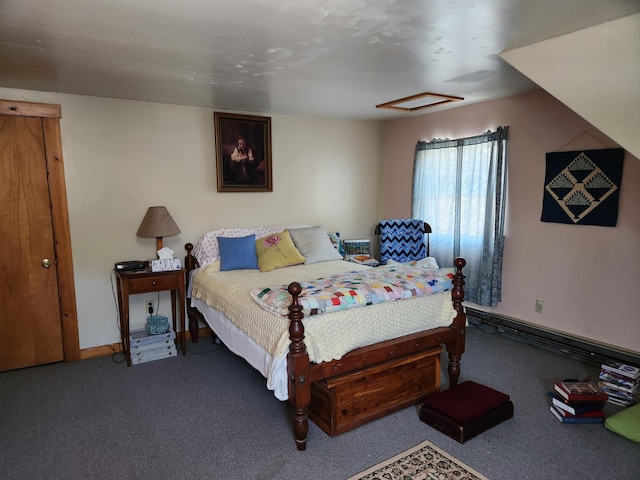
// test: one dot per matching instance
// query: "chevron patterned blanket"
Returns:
(359, 288)
(401, 240)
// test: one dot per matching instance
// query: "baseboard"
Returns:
(100, 351)
(105, 350)
(564, 344)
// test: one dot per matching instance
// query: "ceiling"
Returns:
(333, 58)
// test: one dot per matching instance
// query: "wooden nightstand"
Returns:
(134, 282)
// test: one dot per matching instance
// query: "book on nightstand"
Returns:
(575, 419)
(364, 260)
(580, 391)
(359, 251)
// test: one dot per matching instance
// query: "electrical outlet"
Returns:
(539, 305)
(149, 307)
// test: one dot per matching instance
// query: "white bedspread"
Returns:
(329, 336)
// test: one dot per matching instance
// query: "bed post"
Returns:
(190, 264)
(298, 370)
(455, 349)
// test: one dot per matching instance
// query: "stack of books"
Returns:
(578, 402)
(364, 260)
(359, 251)
(146, 347)
(621, 382)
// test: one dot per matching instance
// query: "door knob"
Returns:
(46, 263)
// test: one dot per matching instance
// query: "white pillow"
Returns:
(429, 262)
(314, 244)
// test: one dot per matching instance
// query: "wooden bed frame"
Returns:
(369, 382)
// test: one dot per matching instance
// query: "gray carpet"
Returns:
(209, 416)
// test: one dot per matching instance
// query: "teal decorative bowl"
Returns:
(157, 324)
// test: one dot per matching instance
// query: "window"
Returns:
(459, 188)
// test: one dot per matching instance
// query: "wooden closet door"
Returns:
(30, 320)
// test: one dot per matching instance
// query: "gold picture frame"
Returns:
(243, 152)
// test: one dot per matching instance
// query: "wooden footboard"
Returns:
(408, 366)
(371, 361)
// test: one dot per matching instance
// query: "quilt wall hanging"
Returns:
(583, 187)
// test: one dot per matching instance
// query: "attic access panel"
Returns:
(419, 102)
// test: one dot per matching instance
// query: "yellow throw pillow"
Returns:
(277, 251)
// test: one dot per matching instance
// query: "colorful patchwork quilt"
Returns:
(358, 288)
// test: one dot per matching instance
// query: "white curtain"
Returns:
(459, 188)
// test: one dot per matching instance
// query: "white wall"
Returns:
(122, 157)
(595, 72)
(588, 276)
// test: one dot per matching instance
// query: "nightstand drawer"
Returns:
(153, 284)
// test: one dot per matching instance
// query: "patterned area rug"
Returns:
(422, 462)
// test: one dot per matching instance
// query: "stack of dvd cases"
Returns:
(146, 347)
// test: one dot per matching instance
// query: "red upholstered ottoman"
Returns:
(466, 410)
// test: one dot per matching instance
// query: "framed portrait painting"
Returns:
(243, 152)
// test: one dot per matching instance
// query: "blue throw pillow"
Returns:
(238, 253)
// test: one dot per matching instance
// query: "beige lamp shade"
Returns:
(158, 223)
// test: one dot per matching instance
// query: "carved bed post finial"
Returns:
(296, 328)
(456, 349)
(298, 369)
(457, 294)
(189, 260)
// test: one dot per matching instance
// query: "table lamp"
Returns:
(158, 223)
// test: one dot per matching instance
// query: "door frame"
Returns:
(50, 115)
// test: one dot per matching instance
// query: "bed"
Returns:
(338, 365)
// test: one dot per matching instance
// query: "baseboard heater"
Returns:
(573, 347)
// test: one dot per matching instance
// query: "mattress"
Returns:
(262, 337)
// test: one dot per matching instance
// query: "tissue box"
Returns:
(164, 264)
